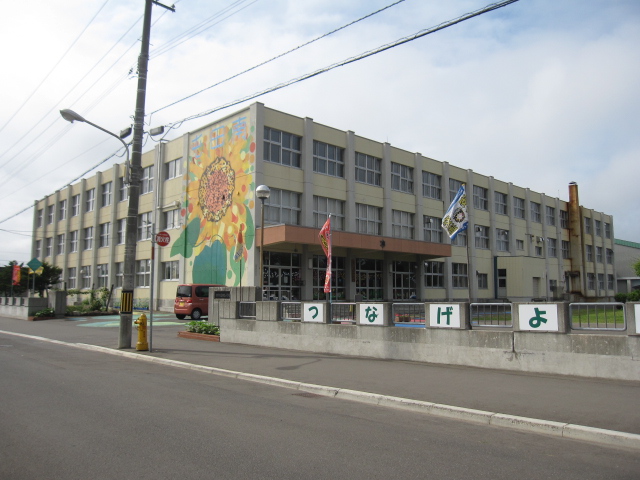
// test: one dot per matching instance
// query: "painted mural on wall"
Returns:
(218, 232)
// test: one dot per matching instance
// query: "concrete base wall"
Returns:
(22, 307)
(596, 356)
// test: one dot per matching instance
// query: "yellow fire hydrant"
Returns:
(142, 333)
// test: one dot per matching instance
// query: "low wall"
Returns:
(21, 307)
(592, 354)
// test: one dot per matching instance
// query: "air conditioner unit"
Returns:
(540, 239)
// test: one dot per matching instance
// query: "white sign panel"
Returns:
(371, 314)
(442, 315)
(541, 317)
(637, 312)
(313, 312)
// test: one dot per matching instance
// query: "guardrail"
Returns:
(247, 309)
(291, 311)
(597, 316)
(491, 315)
(411, 314)
(343, 313)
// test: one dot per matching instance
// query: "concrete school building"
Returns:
(386, 207)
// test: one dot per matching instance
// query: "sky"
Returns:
(539, 93)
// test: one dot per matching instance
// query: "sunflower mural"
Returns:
(219, 229)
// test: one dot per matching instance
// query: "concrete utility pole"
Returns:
(126, 300)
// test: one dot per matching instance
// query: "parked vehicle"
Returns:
(193, 300)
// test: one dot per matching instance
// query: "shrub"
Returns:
(45, 312)
(202, 326)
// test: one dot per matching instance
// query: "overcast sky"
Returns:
(539, 93)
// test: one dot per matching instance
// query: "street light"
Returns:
(126, 313)
(262, 192)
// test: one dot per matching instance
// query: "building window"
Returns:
(402, 224)
(368, 219)
(146, 183)
(143, 273)
(368, 169)
(598, 225)
(369, 278)
(71, 277)
(599, 254)
(460, 240)
(610, 282)
(502, 240)
(282, 147)
(171, 219)
(535, 212)
(88, 238)
(90, 200)
(281, 275)
(73, 241)
(550, 216)
(85, 272)
(50, 214)
(601, 281)
(609, 256)
(39, 218)
(283, 206)
(518, 207)
(432, 229)
(404, 280)
(480, 198)
(106, 194)
(122, 228)
(170, 270)
(319, 264)
(434, 274)
(105, 228)
(501, 203)
(519, 244)
(401, 178)
(431, 185)
(483, 281)
(566, 252)
(328, 159)
(587, 225)
(119, 276)
(459, 275)
(145, 224)
(564, 219)
(607, 230)
(454, 186)
(173, 169)
(552, 247)
(103, 275)
(482, 237)
(124, 191)
(38, 248)
(60, 244)
(538, 251)
(48, 247)
(323, 206)
(75, 205)
(62, 210)
(589, 253)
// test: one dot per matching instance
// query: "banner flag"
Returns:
(16, 275)
(455, 220)
(325, 240)
(239, 247)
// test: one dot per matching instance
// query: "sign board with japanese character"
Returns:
(313, 312)
(442, 315)
(540, 317)
(371, 314)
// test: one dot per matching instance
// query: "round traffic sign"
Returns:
(162, 239)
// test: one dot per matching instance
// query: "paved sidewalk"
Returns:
(605, 404)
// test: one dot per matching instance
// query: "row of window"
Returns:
(168, 271)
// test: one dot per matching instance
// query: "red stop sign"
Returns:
(162, 239)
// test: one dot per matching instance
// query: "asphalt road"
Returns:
(68, 413)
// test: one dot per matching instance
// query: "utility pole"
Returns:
(126, 300)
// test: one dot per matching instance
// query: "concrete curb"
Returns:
(524, 424)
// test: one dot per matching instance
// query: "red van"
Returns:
(193, 300)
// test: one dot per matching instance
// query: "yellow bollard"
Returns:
(142, 333)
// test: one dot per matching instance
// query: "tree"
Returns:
(636, 267)
(6, 279)
(49, 277)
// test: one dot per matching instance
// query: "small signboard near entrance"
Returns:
(163, 238)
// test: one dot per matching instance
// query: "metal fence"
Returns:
(491, 315)
(247, 310)
(343, 313)
(597, 316)
(291, 311)
(408, 314)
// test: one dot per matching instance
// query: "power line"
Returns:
(279, 56)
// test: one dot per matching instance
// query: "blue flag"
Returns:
(455, 220)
